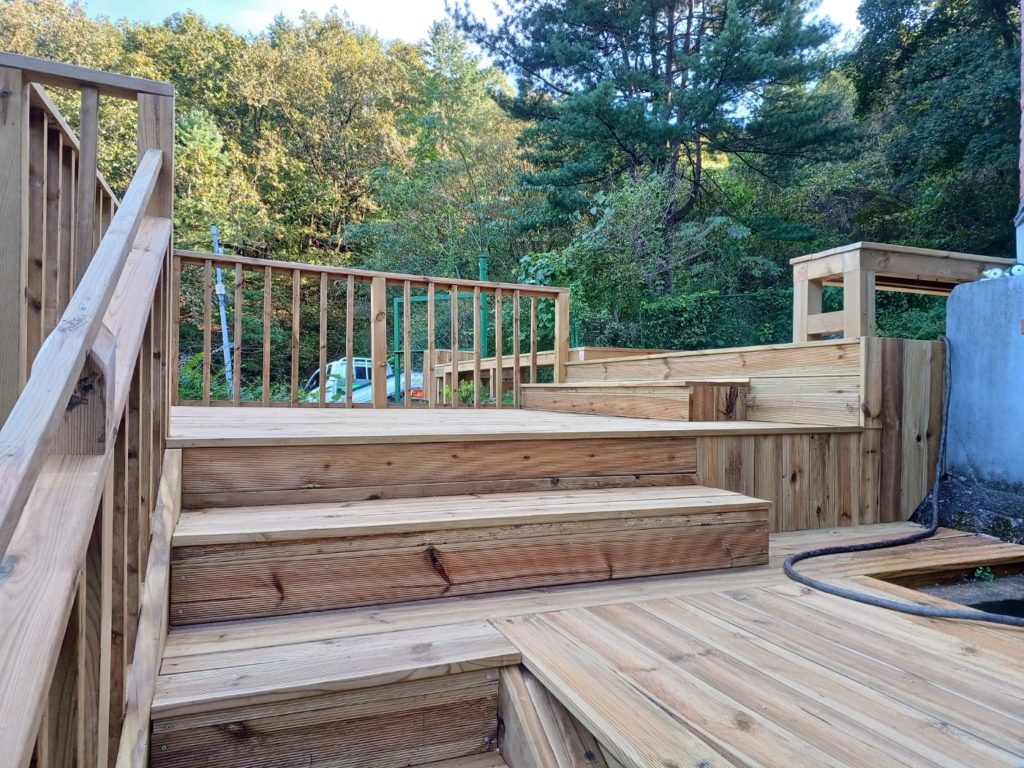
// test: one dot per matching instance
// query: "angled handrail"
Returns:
(29, 432)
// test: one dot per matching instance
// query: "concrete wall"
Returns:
(985, 437)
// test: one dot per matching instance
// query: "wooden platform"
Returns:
(261, 561)
(740, 667)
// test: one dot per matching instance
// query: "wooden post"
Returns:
(516, 373)
(14, 111)
(207, 329)
(806, 301)
(379, 341)
(85, 209)
(561, 335)
(428, 360)
(858, 298)
(407, 343)
(89, 419)
(268, 309)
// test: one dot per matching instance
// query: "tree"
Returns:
(668, 87)
(940, 83)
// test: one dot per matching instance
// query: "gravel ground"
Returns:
(979, 508)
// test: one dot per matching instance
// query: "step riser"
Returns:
(270, 474)
(270, 579)
(404, 724)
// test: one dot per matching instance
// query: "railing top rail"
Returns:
(29, 431)
(61, 75)
(525, 289)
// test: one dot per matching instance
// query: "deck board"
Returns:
(241, 427)
(737, 667)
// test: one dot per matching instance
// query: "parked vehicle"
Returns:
(362, 392)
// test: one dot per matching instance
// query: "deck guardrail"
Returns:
(427, 317)
(84, 281)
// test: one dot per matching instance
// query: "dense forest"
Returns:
(666, 159)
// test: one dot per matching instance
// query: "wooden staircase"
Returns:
(282, 519)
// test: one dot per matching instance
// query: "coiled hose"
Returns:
(927, 611)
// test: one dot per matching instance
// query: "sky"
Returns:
(393, 19)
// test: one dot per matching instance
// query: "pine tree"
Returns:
(660, 86)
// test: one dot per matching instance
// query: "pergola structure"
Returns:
(861, 269)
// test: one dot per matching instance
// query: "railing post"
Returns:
(14, 111)
(379, 341)
(155, 130)
(89, 419)
(561, 335)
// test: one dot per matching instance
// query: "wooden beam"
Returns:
(61, 75)
(141, 683)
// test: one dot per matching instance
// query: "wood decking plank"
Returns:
(337, 665)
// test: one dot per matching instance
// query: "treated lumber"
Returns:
(421, 720)
(418, 281)
(324, 666)
(30, 428)
(152, 632)
(405, 549)
(279, 427)
(226, 471)
(14, 245)
(635, 731)
(61, 75)
(44, 560)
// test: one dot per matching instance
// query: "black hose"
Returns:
(895, 605)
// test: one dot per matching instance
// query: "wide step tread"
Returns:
(411, 697)
(264, 561)
(234, 525)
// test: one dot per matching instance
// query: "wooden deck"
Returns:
(193, 426)
(738, 667)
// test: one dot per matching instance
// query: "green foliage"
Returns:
(664, 160)
(984, 573)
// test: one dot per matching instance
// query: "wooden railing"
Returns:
(84, 280)
(284, 323)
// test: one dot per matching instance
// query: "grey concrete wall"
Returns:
(985, 436)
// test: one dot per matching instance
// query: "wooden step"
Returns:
(710, 399)
(257, 456)
(264, 561)
(376, 701)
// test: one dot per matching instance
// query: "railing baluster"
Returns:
(533, 339)
(499, 373)
(561, 341)
(34, 299)
(85, 209)
(407, 341)
(429, 381)
(268, 307)
(379, 341)
(296, 331)
(455, 346)
(516, 381)
(52, 307)
(350, 320)
(207, 331)
(476, 346)
(236, 361)
(323, 340)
